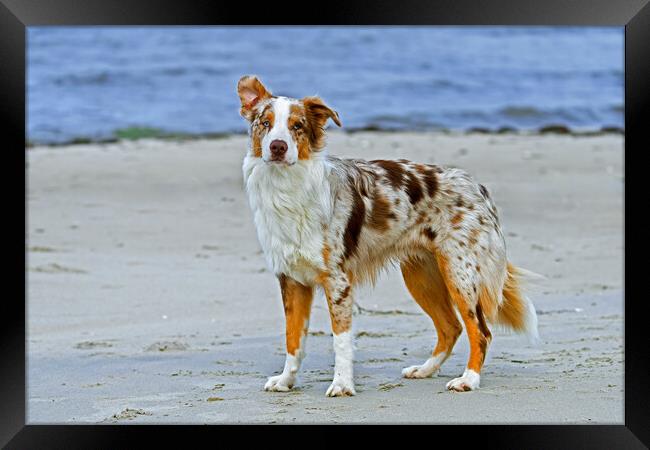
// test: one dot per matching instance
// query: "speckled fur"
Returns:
(336, 223)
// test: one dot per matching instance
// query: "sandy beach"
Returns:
(149, 301)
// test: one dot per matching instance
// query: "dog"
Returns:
(332, 223)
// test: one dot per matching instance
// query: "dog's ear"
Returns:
(251, 91)
(317, 113)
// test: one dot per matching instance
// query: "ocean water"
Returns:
(92, 81)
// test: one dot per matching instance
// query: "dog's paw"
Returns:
(422, 371)
(468, 382)
(279, 383)
(341, 388)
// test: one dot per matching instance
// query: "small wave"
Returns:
(612, 73)
(431, 85)
(531, 114)
(184, 70)
(83, 79)
(173, 71)
(412, 121)
(522, 111)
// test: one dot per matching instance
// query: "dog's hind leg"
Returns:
(297, 300)
(338, 291)
(425, 283)
(461, 280)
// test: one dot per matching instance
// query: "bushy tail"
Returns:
(517, 311)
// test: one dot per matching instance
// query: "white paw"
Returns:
(468, 382)
(422, 371)
(340, 388)
(279, 383)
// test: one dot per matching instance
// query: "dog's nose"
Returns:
(278, 149)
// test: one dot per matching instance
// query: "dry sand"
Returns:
(149, 300)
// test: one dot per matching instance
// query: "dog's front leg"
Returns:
(297, 299)
(338, 290)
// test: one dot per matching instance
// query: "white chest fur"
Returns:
(291, 205)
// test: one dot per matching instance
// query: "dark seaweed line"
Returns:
(162, 135)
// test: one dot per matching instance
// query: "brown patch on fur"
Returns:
(299, 127)
(322, 277)
(413, 188)
(456, 220)
(429, 177)
(251, 91)
(317, 113)
(355, 223)
(380, 213)
(267, 114)
(472, 239)
(327, 252)
(258, 130)
(394, 172)
(340, 322)
(514, 309)
(478, 341)
(297, 300)
(340, 314)
(304, 151)
(343, 295)
(482, 325)
(256, 145)
(425, 283)
(481, 343)
(489, 303)
(429, 233)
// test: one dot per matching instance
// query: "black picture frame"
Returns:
(16, 15)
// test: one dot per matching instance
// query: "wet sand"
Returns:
(149, 300)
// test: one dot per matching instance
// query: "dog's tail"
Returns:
(517, 312)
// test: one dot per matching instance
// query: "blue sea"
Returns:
(89, 82)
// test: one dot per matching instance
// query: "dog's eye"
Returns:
(297, 126)
(266, 123)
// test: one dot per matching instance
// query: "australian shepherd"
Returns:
(329, 222)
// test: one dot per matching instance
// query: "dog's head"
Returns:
(283, 130)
